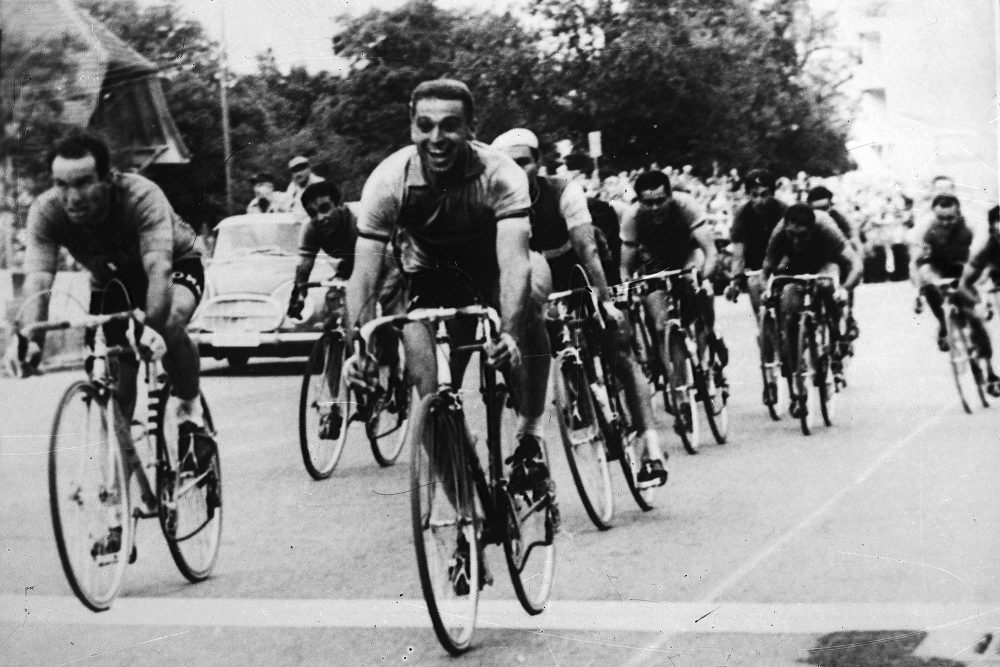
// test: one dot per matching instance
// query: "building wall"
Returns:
(926, 87)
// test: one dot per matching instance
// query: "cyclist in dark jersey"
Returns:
(821, 199)
(563, 233)
(752, 225)
(944, 249)
(986, 257)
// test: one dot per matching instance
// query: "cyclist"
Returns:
(139, 253)
(808, 241)
(986, 256)
(562, 232)
(664, 230)
(943, 249)
(751, 229)
(821, 199)
(332, 228)
(457, 211)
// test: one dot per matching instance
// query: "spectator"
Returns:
(302, 177)
(266, 198)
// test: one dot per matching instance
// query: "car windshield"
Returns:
(257, 238)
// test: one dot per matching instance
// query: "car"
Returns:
(248, 282)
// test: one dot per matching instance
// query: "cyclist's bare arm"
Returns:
(37, 285)
(703, 237)
(515, 274)
(739, 260)
(159, 269)
(368, 253)
(304, 269)
(582, 238)
(850, 263)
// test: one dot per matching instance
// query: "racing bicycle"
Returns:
(328, 410)
(106, 473)
(457, 505)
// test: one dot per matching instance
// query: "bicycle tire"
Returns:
(529, 535)
(683, 391)
(190, 504)
(386, 430)
(805, 378)
(770, 365)
(631, 458)
(437, 462)
(321, 455)
(583, 440)
(714, 398)
(107, 506)
(961, 357)
(826, 380)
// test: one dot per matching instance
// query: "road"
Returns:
(860, 544)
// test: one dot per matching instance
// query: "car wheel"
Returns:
(238, 360)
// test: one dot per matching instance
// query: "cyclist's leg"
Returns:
(755, 289)
(115, 298)
(182, 362)
(925, 276)
(833, 309)
(980, 338)
(704, 305)
(536, 352)
(638, 397)
(656, 309)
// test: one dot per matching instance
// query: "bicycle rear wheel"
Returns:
(805, 378)
(583, 440)
(770, 364)
(190, 502)
(529, 518)
(446, 523)
(680, 379)
(324, 418)
(88, 497)
(386, 422)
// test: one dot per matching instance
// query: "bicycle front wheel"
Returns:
(683, 392)
(323, 418)
(805, 378)
(190, 501)
(446, 523)
(714, 394)
(964, 365)
(770, 364)
(583, 441)
(88, 497)
(826, 379)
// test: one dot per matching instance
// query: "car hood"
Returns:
(250, 275)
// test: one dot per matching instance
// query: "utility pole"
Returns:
(996, 86)
(227, 144)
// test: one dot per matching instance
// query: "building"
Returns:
(926, 90)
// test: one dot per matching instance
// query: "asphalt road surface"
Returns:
(873, 541)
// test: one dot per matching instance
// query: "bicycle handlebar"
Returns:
(624, 289)
(330, 282)
(801, 278)
(431, 316)
(87, 322)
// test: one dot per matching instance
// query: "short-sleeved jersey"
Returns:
(335, 236)
(753, 228)
(435, 227)
(823, 246)
(664, 236)
(558, 206)
(843, 224)
(945, 244)
(140, 221)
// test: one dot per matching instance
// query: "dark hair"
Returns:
(320, 189)
(818, 193)
(651, 180)
(79, 142)
(800, 214)
(263, 177)
(759, 178)
(944, 201)
(445, 89)
(993, 217)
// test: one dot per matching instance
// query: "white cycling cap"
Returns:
(516, 137)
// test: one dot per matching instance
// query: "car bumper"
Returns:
(256, 344)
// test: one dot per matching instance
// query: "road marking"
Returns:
(580, 615)
(749, 566)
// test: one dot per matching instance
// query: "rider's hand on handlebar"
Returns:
(840, 295)
(612, 313)
(152, 347)
(22, 356)
(503, 353)
(296, 306)
(732, 291)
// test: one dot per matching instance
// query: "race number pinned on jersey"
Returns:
(594, 139)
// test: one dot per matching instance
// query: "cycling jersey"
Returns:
(945, 245)
(557, 207)
(664, 235)
(445, 230)
(988, 255)
(823, 246)
(336, 236)
(140, 221)
(607, 235)
(753, 227)
(842, 223)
